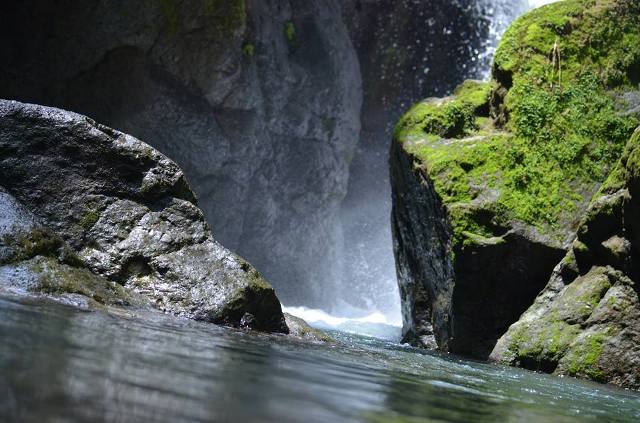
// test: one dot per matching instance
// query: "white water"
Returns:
(379, 313)
(375, 324)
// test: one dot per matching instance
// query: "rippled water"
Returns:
(60, 364)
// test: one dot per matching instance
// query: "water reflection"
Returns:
(58, 363)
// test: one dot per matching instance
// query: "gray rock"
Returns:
(462, 296)
(128, 213)
(257, 100)
(34, 261)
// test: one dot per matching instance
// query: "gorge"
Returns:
(295, 170)
(268, 128)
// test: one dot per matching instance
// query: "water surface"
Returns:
(61, 364)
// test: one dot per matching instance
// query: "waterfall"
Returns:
(368, 299)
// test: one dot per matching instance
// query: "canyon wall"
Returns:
(258, 101)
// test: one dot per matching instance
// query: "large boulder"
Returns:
(258, 101)
(489, 185)
(586, 322)
(128, 214)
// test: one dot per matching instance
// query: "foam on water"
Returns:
(374, 324)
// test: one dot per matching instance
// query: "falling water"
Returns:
(369, 301)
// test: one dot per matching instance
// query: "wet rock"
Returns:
(586, 322)
(33, 260)
(128, 214)
(490, 184)
(301, 329)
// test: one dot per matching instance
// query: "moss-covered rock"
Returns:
(60, 281)
(35, 261)
(511, 166)
(592, 295)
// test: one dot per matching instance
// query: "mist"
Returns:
(437, 53)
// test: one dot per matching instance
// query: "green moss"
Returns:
(450, 117)
(556, 338)
(475, 93)
(546, 342)
(560, 134)
(169, 9)
(290, 33)
(583, 358)
(626, 169)
(248, 49)
(38, 242)
(590, 300)
(89, 219)
(58, 279)
(226, 16)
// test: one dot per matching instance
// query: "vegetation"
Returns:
(249, 49)
(554, 131)
(89, 219)
(584, 357)
(60, 279)
(290, 33)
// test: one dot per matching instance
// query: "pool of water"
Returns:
(61, 364)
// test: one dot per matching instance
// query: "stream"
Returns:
(58, 363)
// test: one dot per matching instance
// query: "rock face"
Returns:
(586, 322)
(490, 185)
(257, 100)
(127, 213)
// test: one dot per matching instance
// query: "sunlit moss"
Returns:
(557, 134)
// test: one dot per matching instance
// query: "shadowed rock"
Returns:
(257, 101)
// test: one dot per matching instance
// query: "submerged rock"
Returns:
(490, 185)
(128, 215)
(586, 322)
(301, 329)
